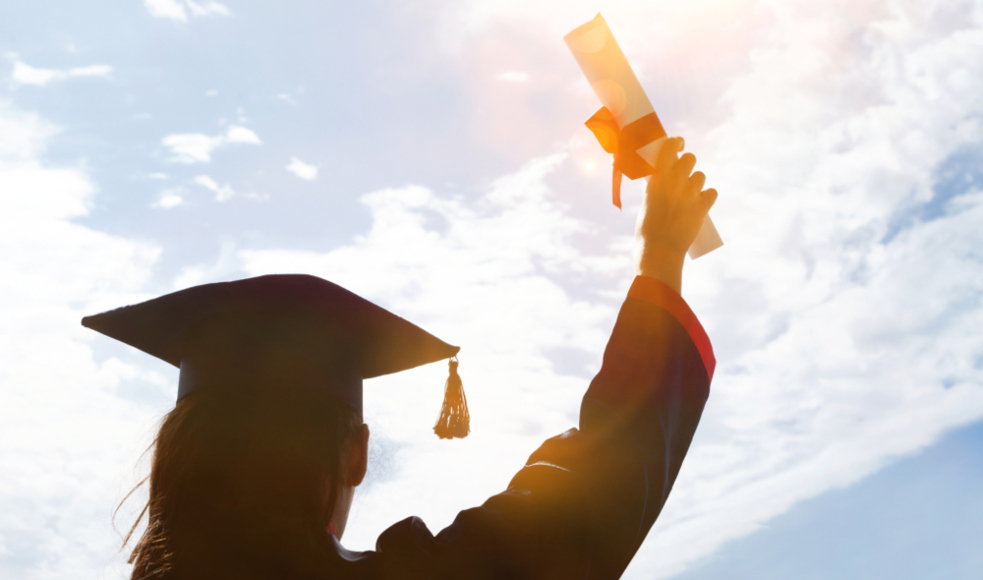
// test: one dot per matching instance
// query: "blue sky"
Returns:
(919, 518)
(431, 156)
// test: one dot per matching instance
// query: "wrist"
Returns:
(664, 263)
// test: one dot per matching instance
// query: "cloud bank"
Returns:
(844, 140)
(842, 309)
(54, 271)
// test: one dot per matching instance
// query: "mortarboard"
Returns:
(283, 329)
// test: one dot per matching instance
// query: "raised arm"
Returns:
(586, 499)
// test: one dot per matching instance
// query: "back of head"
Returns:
(243, 484)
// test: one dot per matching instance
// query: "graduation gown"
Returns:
(585, 500)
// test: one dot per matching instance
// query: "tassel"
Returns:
(454, 421)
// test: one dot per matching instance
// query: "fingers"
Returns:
(696, 181)
(668, 154)
(684, 167)
(709, 197)
(675, 173)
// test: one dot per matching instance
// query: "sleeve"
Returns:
(586, 499)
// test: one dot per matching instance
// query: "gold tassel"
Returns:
(454, 421)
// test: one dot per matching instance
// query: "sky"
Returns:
(431, 156)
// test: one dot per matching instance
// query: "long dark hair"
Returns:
(240, 477)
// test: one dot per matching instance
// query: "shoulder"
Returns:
(475, 547)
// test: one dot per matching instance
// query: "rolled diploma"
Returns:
(616, 86)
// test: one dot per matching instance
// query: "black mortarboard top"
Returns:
(282, 329)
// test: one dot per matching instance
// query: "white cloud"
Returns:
(287, 99)
(238, 134)
(302, 170)
(59, 450)
(222, 193)
(175, 10)
(97, 70)
(192, 147)
(166, 9)
(168, 199)
(198, 147)
(29, 75)
(211, 93)
(207, 8)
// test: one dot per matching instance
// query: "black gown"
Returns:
(585, 500)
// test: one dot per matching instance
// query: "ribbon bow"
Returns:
(624, 143)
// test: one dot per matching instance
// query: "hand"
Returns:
(672, 213)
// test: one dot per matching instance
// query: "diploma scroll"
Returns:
(626, 125)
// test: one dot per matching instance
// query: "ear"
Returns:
(359, 456)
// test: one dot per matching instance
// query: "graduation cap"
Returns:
(286, 329)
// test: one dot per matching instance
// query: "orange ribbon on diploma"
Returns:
(626, 126)
(624, 145)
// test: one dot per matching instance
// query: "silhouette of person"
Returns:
(254, 468)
